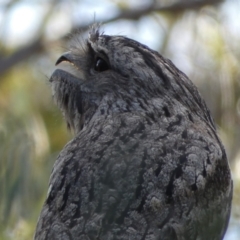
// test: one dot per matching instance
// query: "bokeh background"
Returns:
(202, 38)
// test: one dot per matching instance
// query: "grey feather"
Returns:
(145, 162)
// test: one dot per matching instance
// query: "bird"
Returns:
(145, 161)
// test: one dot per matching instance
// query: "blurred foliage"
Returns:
(27, 153)
(201, 41)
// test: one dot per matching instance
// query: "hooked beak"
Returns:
(66, 57)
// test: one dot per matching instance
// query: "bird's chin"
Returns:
(66, 91)
(64, 84)
(61, 75)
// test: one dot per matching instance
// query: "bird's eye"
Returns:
(100, 65)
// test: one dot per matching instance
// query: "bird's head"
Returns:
(115, 74)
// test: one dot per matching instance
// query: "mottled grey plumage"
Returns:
(146, 161)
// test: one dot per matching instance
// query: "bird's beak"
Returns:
(66, 57)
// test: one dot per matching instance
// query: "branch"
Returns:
(38, 46)
(156, 7)
(21, 55)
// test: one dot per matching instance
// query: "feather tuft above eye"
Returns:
(94, 32)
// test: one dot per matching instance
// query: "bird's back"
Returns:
(130, 176)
